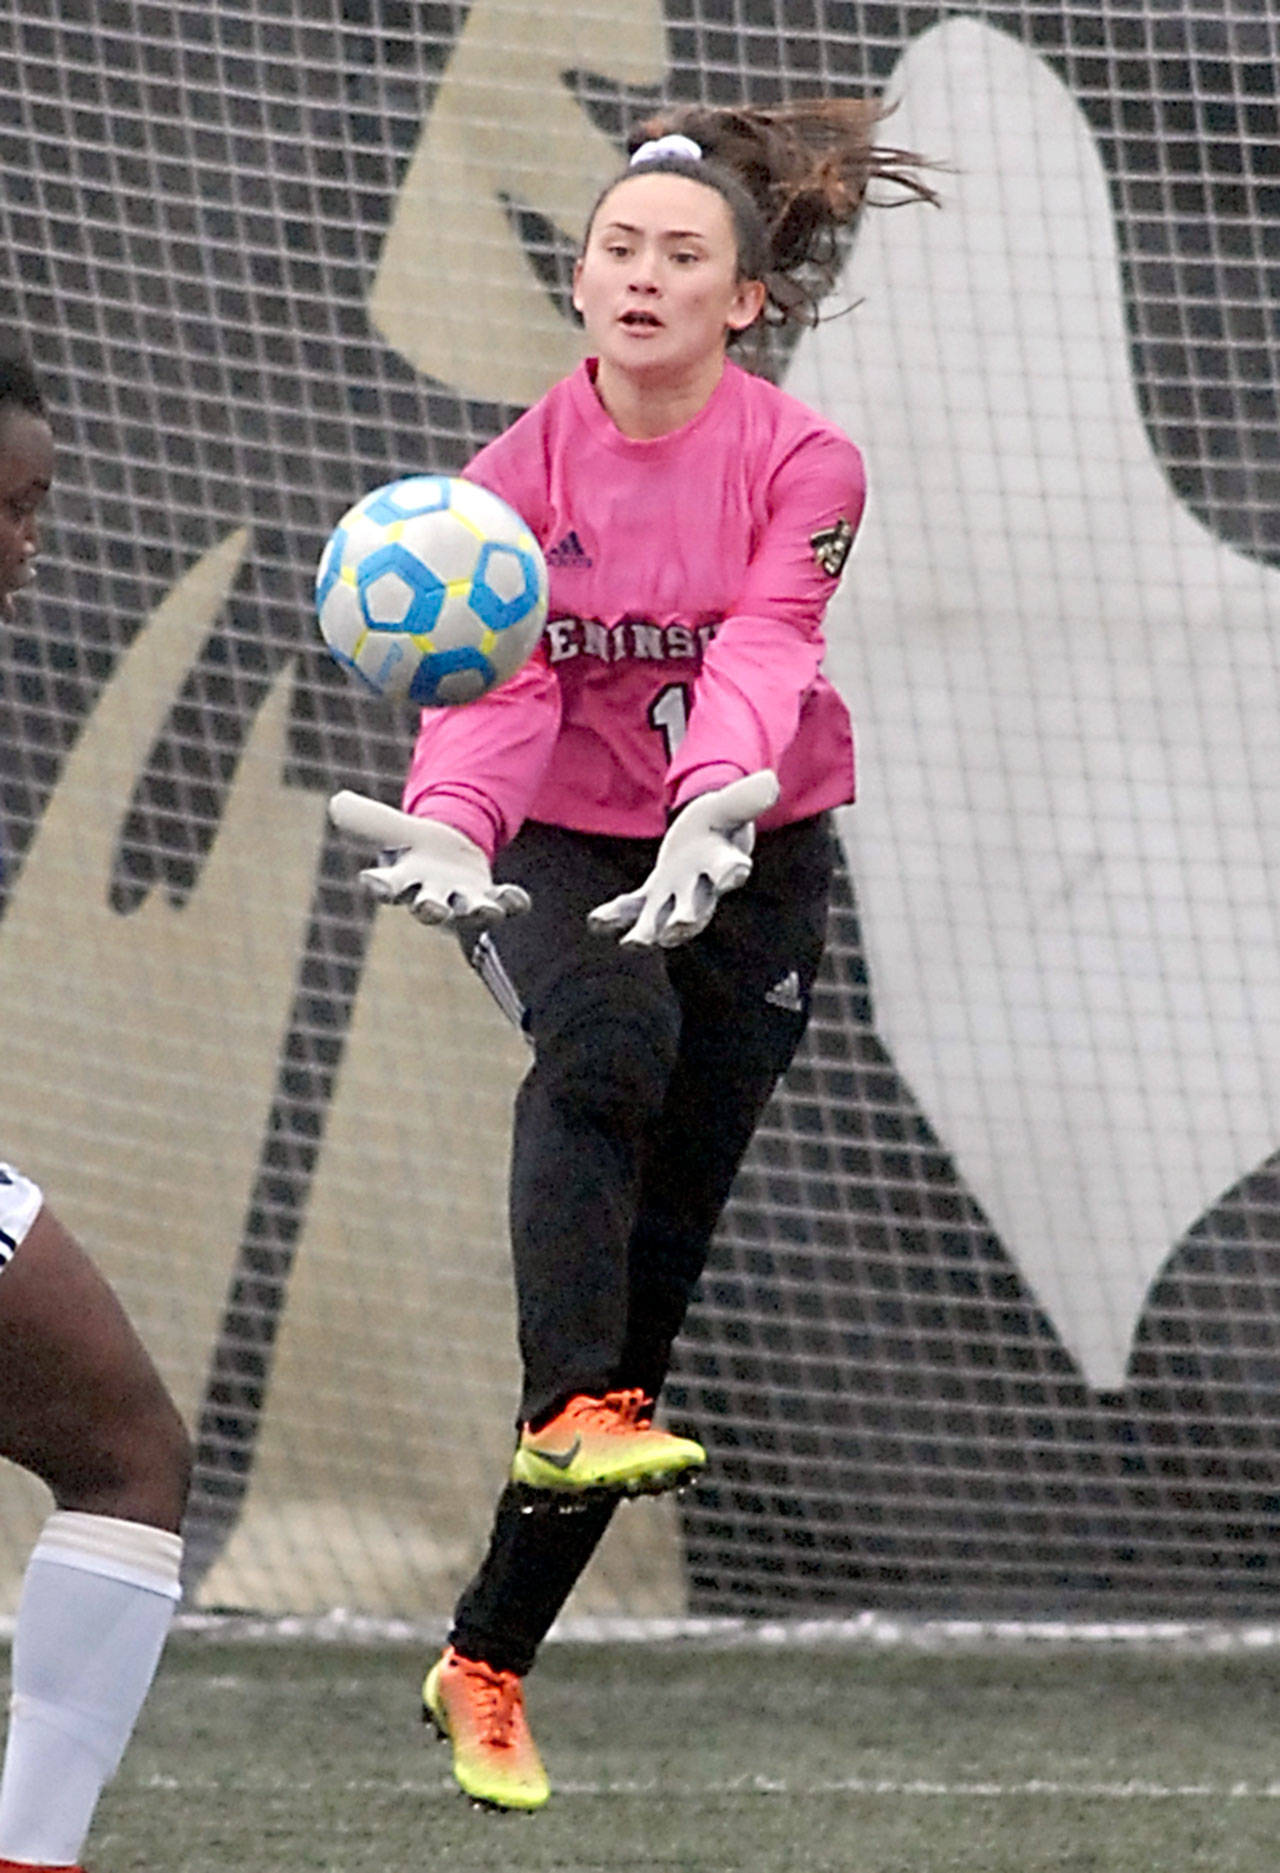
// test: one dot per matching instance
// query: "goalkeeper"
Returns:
(633, 834)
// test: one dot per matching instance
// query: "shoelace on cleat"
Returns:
(633, 1409)
(496, 1696)
(616, 1411)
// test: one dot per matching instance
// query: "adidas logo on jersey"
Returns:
(785, 994)
(569, 553)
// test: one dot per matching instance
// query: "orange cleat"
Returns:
(606, 1446)
(480, 1711)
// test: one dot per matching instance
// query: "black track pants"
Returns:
(651, 1070)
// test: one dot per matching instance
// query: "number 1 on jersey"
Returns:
(669, 714)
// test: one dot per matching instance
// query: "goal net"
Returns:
(991, 1325)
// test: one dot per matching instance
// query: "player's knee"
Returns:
(614, 1069)
(169, 1457)
(162, 1460)
(135, 1465)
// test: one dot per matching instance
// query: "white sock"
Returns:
(96, 1604)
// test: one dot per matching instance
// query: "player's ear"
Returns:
(748, 304)
(577, 276)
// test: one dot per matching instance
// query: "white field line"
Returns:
(870, 1630)
(1035, 1786)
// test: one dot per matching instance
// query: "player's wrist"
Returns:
(709, 778)
(468, 818)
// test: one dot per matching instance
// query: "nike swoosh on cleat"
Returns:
(558, 1459)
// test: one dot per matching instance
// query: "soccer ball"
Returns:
(431, 590)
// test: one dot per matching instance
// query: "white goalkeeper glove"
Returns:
(706, 852)
(440, 874)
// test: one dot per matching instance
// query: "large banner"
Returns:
(993, 1316)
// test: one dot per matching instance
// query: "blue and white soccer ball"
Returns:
(431, 590)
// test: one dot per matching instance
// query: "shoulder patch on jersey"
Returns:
(831, 546)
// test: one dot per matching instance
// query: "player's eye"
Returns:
(22, 508)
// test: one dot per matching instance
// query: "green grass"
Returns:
(257, 1757)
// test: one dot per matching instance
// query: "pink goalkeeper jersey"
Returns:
(689, 577)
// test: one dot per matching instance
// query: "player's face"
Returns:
(26, 474)
(658, 285)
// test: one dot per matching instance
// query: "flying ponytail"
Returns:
(806, 169)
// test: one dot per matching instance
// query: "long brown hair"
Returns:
(19, 385)
(806, 169)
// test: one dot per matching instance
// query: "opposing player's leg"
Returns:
(83, 1408)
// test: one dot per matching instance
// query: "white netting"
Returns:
(991, 1326)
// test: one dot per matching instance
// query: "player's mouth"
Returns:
(12, 579)
(637, 321)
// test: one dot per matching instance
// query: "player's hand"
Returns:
(706, 852)
(436, 871)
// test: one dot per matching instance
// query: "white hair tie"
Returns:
(673, 144)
